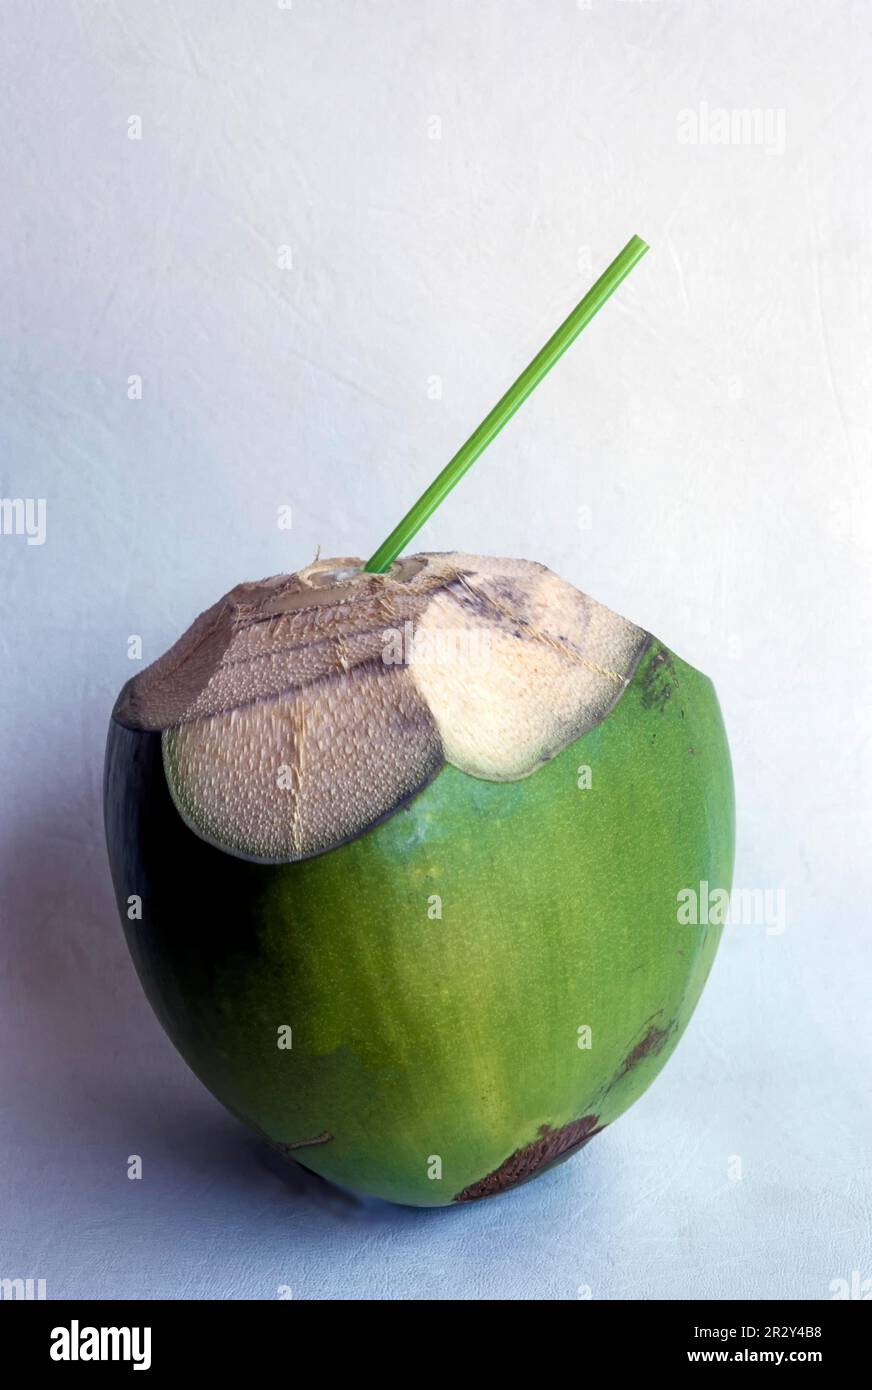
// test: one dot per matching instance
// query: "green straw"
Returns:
(506, 406)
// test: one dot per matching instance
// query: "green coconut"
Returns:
(400, 860)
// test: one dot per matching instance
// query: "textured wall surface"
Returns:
(344, 227)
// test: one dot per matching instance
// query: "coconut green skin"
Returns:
(431, 1049)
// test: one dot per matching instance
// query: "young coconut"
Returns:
(416, 920)
(409, 842)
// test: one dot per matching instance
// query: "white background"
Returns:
(699, 461)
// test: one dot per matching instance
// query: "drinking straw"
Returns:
(506, 406)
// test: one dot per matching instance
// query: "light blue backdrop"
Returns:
(342, 231)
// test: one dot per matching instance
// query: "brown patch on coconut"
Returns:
(552, 1146)
(650, 1045)
(300, 711)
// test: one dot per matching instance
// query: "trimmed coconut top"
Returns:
(300, 711)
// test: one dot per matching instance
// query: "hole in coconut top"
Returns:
(329, 582)
(340, 575)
